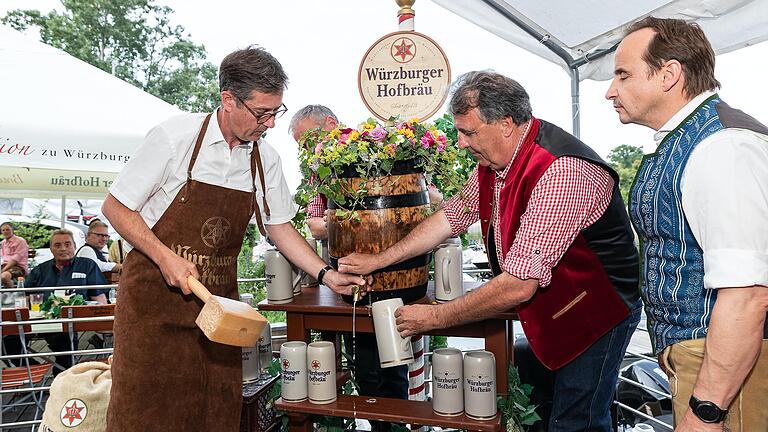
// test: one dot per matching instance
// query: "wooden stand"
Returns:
(322, 309)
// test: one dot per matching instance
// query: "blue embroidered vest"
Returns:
(672, 262)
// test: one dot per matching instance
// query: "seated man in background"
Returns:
(95, 242)
(15, 255)
(66, 270)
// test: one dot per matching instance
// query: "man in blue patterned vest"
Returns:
(700, 207)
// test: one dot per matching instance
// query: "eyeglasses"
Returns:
(100, 235)
(265, 116)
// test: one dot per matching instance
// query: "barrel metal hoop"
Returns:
(415, 262)
(413, 199)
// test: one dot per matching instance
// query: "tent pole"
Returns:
(63, 211)
(506, 11)
(575, 107)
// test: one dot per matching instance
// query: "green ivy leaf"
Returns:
(323, 172)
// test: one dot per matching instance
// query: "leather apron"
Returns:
(166, 375)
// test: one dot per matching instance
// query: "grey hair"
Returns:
(251, 69)
(316, 113)
(494, 95)
(61, 231)
(96, 224)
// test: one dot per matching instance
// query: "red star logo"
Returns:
(286, 364)
(72, 412)
(403, 50)
(315, 364)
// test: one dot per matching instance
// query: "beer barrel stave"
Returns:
(393, 207)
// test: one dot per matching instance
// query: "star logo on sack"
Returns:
(403, 50)
(215, 231)
(315, 364)
(286, 364)
(73, 412)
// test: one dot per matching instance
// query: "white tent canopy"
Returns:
(582, 35)
(66, 127)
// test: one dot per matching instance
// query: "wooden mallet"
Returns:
(227, 321)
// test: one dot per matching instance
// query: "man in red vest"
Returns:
(558, 239)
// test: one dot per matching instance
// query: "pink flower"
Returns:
(378, 134)
(441, 143)
(319, 148)
(427, 140)
(343, 138)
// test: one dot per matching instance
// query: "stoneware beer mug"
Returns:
(298, 275)
(247, 298)
(321, 372)
(393, 349)
(265, 349)
(251, 364)
(449, 282)
(277, 271)
(307, 279)
(293, 362)
(447, 382)
(480, 385)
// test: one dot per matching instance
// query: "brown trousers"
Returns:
(748, 411)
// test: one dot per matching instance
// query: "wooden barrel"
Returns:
(394, 206)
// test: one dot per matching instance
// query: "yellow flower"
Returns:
(367, 126)
(334, 133)
(353, 136)
(406, 132)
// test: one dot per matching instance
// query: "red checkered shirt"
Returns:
(316, 207)
(570, 196)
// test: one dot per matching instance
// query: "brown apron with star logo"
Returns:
(166, 375)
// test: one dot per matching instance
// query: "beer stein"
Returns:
(447, 382)
(321, 372)
(449, 283)
(480, 385)
(265, 350)
(279, 275)
(393, 349)
(307, 280)
(293, 362)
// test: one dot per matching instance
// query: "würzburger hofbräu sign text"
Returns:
(406, 74)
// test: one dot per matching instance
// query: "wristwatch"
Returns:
(707, 411)
(322, 273)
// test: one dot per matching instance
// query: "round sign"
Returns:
(404, 74)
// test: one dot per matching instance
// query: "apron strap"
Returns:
(195, 152)
(257, 165)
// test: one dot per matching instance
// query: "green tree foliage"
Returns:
(133, 40)
(625, 159)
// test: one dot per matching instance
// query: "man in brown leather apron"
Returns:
(183, 202)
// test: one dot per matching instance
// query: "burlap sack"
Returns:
(79, 399)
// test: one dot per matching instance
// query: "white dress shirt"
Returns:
(88, 252)
(156, 172)
(725, 200)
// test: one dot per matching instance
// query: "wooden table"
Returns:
(322, 309)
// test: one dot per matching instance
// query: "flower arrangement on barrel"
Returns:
(376, 180)
(375, 151)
